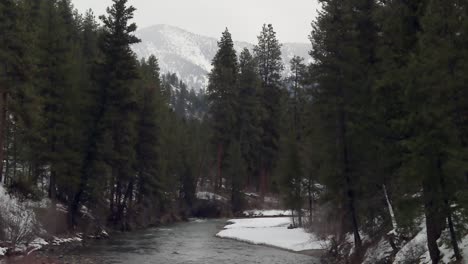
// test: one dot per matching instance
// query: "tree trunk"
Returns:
(14, 156)
(112, 198)
(390, 208)
(299, 213)
(121, 217)
(433, 221)
(3, 127)
(52, 186)
(118, 201)
(262, 182)
(73, 208)
(448, 212)
(7, 160)
(309, 193)
(219, 179)
(346, 171)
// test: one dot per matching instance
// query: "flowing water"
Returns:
(192, 242)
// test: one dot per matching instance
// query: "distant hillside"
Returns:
(189, 55)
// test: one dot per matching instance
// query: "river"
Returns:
(192, 242)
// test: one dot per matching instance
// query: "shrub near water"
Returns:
(18, 223)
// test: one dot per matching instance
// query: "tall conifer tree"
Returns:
(118, 124)
(222, 95)
(267, 54)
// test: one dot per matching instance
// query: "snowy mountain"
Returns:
(189, 55)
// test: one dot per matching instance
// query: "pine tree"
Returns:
(12, 56)
(118, 132)
(298, 69)
(267, 54)
(222, 95)
(433, 138)
(24, 106)
(291, 169)
(399, 25)
(250, 112)
(85, 191)
(149, 131)
(59, 91)
(181, 104)
(344, 40)
(235, 171)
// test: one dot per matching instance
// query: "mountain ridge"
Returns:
(189, 54)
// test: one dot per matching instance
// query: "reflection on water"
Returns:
(186, 243)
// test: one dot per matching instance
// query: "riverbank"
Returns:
(272, 231)
(29, 226)
(180, 243)
(49, 247)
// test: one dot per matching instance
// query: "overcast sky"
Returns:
(244, 18)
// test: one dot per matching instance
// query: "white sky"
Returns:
(244, 18)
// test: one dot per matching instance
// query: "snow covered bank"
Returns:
(3, 251)
(415, 250)
(210, 196)
(271, 232)
(17, 219)
(258, 213)
(21, 230)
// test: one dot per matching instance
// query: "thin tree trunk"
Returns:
(391, 235)
(219, 179)
(3, 127)
(121, 216)
(390, 208)
(53, 175)
(343, 148)
(448, 211)
(139, 196)
(262, 182)
(112, 197)
(14, 156)
(309, 193)
(118, 202)
(433, 223)
(7, 156)
(7, 170)
(73, 207)
(52, 185)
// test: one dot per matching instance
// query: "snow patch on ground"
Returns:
(258, 223)
(44, 203)
(37, 244)
(210, 196)
(415, 248)
(381, 251)
(3, 251)
(86, 212)
(271, 232)
(257, 213)
(59, 241)
(62, 208)
(464, 246)
(251, 194)
(197, 220)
